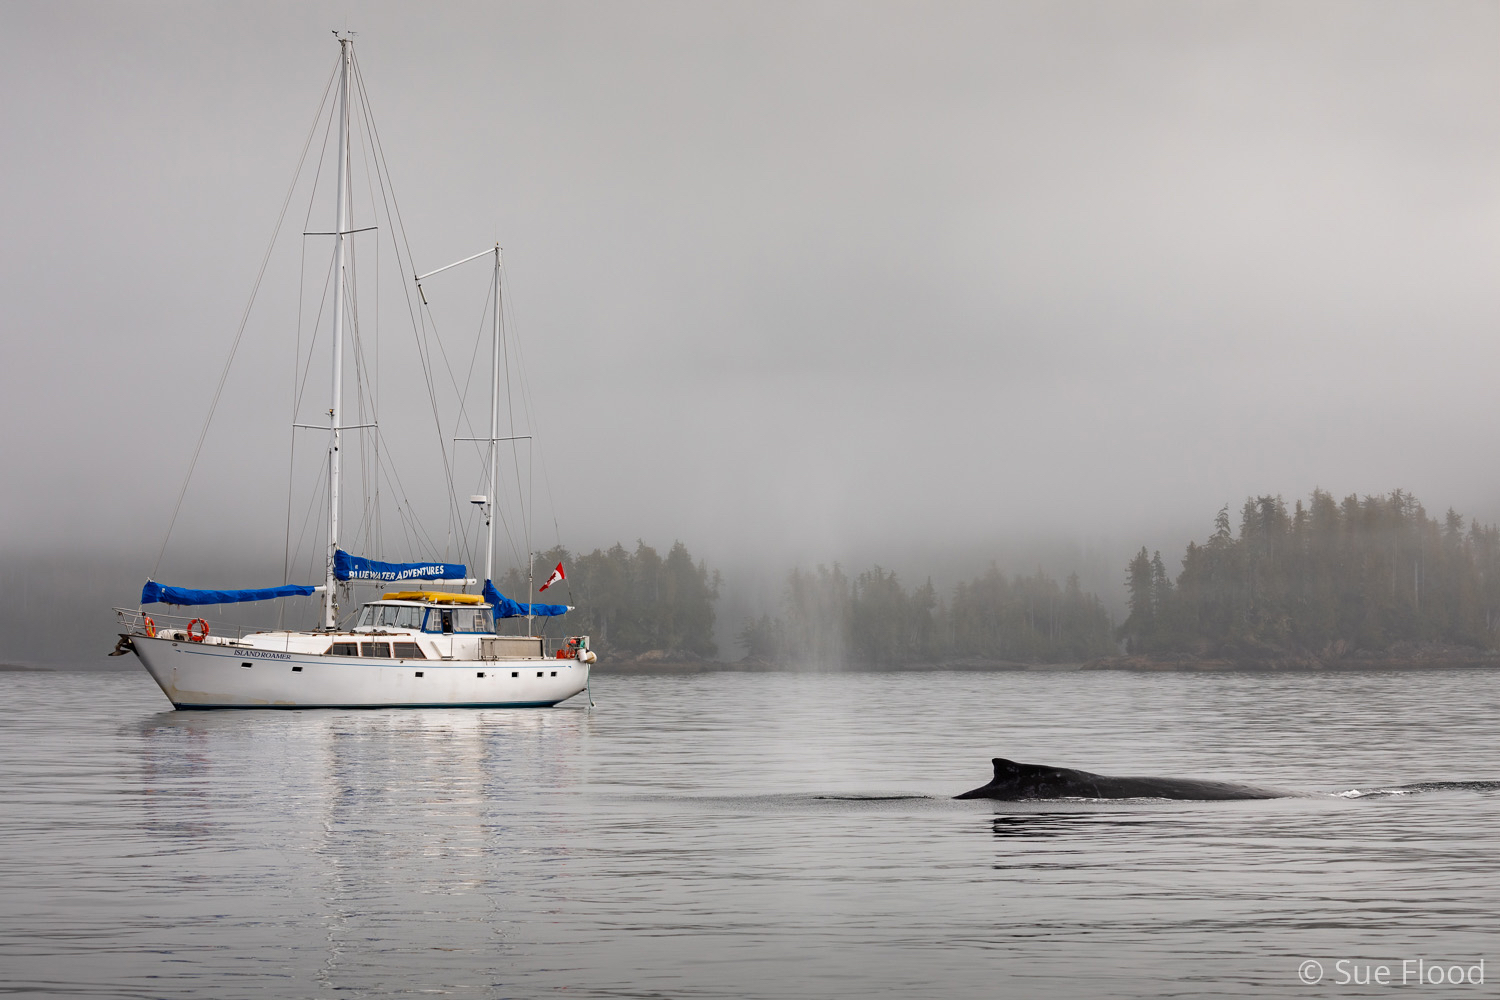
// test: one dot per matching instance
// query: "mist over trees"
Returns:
(629, 602)
(1362, 573)
(828, 619)
(1322, 578)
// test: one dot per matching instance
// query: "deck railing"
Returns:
(134, 620)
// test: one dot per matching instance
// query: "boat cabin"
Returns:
(428, 611)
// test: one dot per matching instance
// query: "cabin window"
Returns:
(472, 620)
(381, 650)
(390, 616)
(457, 620)
(344, 649)
(409, 651)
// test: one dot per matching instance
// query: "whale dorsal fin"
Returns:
(1005, 768)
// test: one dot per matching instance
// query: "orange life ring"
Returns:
(149, 625)
(197, 636)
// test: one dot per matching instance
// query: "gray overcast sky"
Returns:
(799, 281)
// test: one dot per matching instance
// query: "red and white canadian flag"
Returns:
(557, 575)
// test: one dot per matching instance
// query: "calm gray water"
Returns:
(704, 836)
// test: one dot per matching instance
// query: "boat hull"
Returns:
(205, 675)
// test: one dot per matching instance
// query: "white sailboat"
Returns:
(419, 646)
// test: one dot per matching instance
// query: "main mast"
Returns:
(336, 404)
(489, 548)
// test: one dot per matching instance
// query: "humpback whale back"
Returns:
(1015, 781)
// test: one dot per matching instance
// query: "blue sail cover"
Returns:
(155, 593)
(506, 608)
(347, 567)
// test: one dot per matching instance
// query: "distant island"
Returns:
(1363, 581)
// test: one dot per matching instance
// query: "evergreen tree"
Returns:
(631, 602)
(1363, 573)
(1139, 628)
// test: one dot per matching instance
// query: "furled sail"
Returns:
(506, 608)
(347, 567)
(155, 593)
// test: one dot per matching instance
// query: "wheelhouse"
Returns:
(441, 614)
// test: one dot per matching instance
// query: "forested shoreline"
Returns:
(1325, 580)
(641, 605)
(638, 603)
(1372, 577)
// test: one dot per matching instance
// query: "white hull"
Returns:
(207, 675)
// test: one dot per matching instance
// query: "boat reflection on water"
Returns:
(397, 821)
(440, 762)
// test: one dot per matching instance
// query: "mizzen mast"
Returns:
(487, 503)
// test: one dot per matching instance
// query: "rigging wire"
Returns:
(463, 417)
(529, 410)
(244, 321)
(463, 399)
(496, 510)
(430, 545)
(366, 383)
(299, 380)
(361, 382)
(317, 509)
(300, 391)
(317, 324)
(510, 410)
(291, 466)
(314, 495)
(393, 211)
(374, 439)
